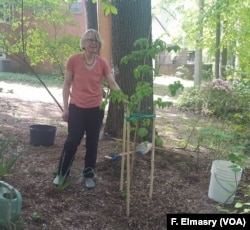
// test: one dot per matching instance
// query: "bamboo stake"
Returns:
(132, 159)
(123, 152)
(152, 158)
(128, 167)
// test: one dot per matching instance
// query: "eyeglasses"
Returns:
(92, 40)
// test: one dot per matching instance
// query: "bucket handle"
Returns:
(11, 188)
(225, 188)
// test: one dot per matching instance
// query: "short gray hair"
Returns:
(85, 37)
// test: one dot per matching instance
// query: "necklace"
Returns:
(88, 64)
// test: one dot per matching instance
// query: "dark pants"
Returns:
(81, 121)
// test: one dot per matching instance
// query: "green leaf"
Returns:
(107, 11)
(142, 132)
(238, 205)
(235, 168)
(174, 87)
(174, 48)
(113, 9)
(246, 210)
(221, 209)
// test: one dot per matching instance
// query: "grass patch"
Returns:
(161, 90)
(51, 80)
(7, 157)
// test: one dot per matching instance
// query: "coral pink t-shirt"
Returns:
(86, 91)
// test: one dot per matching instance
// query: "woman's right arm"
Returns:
(66, 91)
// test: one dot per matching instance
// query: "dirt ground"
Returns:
(180, 181)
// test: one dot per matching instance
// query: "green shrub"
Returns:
(220, 99)
(7, 160)
(190, 100)
(182, 72)
(217, 98)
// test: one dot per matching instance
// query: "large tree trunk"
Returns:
(223, 62)
(132, 22)
(91, 15)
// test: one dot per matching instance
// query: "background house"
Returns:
(172, 64)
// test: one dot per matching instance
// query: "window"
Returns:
(75, 7)
(190, 56)
(6, 13)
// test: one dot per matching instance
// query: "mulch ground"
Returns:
(181, 180)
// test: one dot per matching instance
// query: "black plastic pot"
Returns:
(42, 135)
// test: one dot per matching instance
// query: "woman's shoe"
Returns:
(59, 180)
(89, 182)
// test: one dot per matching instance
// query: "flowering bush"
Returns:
(218, 98)
(218, 84)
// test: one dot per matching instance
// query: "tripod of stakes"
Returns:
(126, 152)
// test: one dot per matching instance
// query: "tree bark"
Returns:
(132, 22)
(91, 15)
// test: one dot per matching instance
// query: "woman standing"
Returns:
(82, 97)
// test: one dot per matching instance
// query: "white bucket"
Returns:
(223, 181)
